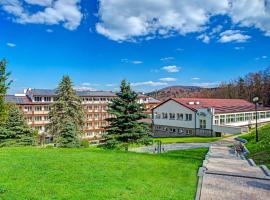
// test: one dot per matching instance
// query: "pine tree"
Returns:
(66, 109)
(125, 125)
(15, 130)
(4, 85)
(68, 136)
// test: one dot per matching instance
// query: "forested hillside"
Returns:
(246, 87)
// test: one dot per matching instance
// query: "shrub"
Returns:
(84, 143)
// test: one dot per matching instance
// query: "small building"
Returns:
(205, 117)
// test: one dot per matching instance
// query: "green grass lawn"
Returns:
(259, 152)
(188, 139)
(36, 173)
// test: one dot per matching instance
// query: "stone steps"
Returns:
(225, 175)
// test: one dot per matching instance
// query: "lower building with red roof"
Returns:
(206, 117)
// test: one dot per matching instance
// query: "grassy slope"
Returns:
(33, 173)
(188, 139)
(259, 152)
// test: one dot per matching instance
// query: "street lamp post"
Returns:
(255, 101)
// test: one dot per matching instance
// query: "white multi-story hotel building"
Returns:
(205, 117)
(35, 104)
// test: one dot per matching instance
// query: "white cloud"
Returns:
(110, 85)
(261, 57)
(11, 45)
(122, 20)
(239, 48)
(129, 20)
(39, 2)
(179, 49)
(233, 36)
(65, 12)
(167, 59)
(168, 79)
(207, 84)
(171, 68)
(49, 30)
(196, 78)
(81, 88)
(136, 62)
(205, 38)
(89, 84)
(148, 83)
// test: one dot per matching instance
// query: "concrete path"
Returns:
(226, 176)
(170, 147)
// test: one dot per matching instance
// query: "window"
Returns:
(268, 114)
(222, 119)
(38, 98)
(157, 115)
(46, 118)
(262, 115)
(188, 117)
(40, 128)
(29, 119)
(38, 108)
(180, 116)
(165, 115)
(216, 120)
(47, 99)
(96, 116)
(230, 119)
(172, 116)
(47, 108)
(27, 108)
(38, 118)
(203, 123)
(90, 133)
(248, 116)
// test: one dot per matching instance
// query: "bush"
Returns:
(84, 143)
(111, 144)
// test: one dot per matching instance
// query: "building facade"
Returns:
(35, 104)
(205, 117)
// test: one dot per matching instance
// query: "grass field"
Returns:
(36, 173)
(259, 152)
(188, 139)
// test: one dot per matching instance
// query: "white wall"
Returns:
(204, 113)
(172, 107)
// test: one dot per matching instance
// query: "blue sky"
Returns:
(151, 43)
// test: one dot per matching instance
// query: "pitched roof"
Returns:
(220, 105)
(17, 99)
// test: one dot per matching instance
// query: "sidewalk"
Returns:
(226, 176)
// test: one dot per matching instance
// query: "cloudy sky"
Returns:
(152, 43)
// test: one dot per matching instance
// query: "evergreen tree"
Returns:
(125, 125)
(68, 136)
(15, 130)
(66, 109)
(4, 85)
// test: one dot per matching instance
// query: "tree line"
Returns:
(246, 87)
(66, 118)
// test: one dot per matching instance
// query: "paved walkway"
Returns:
(170, 147)
(226, 176)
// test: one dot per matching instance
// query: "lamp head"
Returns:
(255, 99)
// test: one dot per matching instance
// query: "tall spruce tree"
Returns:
(15, 130)
(125, 125)
(65, 110)
(4, 85)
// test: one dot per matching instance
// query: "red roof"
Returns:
(220, 105)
